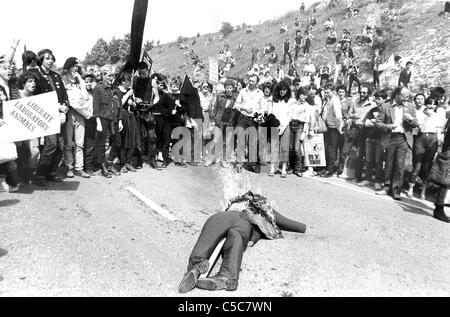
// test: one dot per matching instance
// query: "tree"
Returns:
(149, 45)
(227, 28)
(98, 55)
(114, 50)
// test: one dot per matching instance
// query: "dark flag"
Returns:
(147, 60)
(189, 96)
(137, 33)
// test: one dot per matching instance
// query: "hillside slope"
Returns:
(415, 31)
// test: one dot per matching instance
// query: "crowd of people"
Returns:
(115, 122)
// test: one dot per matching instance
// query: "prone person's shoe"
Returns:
(190, 279)
(217, 283)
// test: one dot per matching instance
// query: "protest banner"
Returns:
(315, 151)
(30, 118)
(213, 70)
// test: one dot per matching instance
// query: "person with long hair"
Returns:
(282, 101)
(48, 80)
(299, 126)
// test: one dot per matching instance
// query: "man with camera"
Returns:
(142, 88)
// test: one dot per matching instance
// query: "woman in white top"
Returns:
(300, 117)
(431, 123)
(282, 102)
(207, 101)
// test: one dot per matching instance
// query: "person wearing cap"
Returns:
(48, 81)
(90, 125)
(74, 128)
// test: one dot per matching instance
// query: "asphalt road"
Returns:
(95, 238)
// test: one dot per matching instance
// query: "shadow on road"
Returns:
(65, 186)
(418, 210)
(9, 202)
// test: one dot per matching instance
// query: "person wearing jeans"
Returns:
(374, 144)
(431, 122)
(333, 114)
(75, 123)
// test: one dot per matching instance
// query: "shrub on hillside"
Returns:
(181, 39)
(227, 28)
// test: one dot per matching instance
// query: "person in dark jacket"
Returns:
(247, 219)
(405, 76)
(145, 113)
(108, 114)
(48, 81)
(221, 117)
(440, 203)
(397, 119)
(171, 112)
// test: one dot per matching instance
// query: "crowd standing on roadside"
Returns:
(116, 122)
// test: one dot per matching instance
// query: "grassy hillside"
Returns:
(412, 29)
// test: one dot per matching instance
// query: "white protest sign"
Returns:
(315, 151)
(30, 118)
(213, 70)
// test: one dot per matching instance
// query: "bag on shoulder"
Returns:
(320, 124)
(440, 172)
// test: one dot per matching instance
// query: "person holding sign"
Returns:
(48, 81)
(7, 93)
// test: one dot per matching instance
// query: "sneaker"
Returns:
(224, 164)
(383, 192)
(182, 164)
(364, 183)
(13, 189)
(378, 186)
(130, 168)
(82, 174)
(154, 165)
(90, 172)
(70, 174)
(123, 170)
(209, 163)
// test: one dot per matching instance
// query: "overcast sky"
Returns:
(70, 28)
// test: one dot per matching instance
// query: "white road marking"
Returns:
(154, 206)
(213, 258)
(387, 198)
